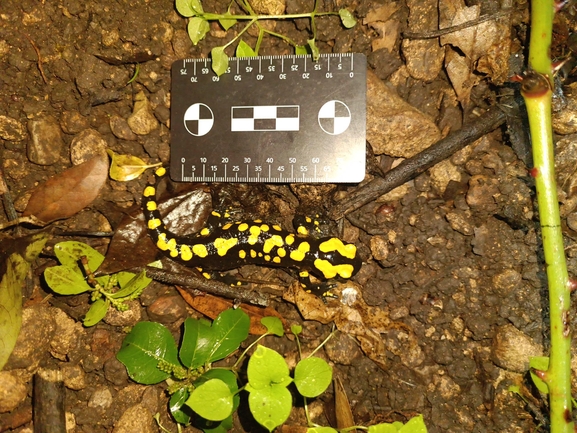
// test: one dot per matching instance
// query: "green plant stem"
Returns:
(538, 104)
(213, 17)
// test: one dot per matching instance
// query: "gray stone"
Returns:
(11, 129)
(136, 418)
(86, 145)
(46, 140)
(12, 391)
(142, 121)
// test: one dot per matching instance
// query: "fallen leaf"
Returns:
(15, 260)
(69, 192)
(388, 33)
(382, 13)
(212, 306)
(343, 411)
(127, 167)
(353, 316)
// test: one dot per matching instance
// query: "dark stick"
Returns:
(412, 167)
(48, 402)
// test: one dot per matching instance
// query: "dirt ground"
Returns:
(452, 257)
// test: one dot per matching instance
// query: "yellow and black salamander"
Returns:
(237, 243)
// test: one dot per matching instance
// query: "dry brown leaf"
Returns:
(69, 192)
(388, 33)
(343, 411)
(382, 13)
(212, 306)
(353, 316)
(460, 74)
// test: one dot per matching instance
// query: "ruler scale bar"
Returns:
(286, 119)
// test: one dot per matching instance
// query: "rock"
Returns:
(443, 173)
(167, 309)
(120, 129)
(115, 371)
(125, 318)
(379, 247)
(142, 121)
(34, 339)
(86, 145)
(12, 391)
(512, 349)
(72, 122)
(135, 419)
(507, 282)
(394, 127)
(100, 398)
(68, 331)
(482, 192)
(343, 349)
(73, 377)
(11, 129)
(46, 140)
(459, 222)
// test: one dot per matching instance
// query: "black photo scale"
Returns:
(269, 119)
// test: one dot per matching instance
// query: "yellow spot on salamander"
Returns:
(277, 228)
(185, 253)
(254, 234)
(281, 252)
(276, 259)
(151, 205)
(226, 226)
(303, 274)
(205, 231)
(302, 231)
(335, 244)
(267, 257)
(161, 242)
(260, 254)
(206, 275)
(216, 214)
(330, 271)
(257, 221)
(173, 252)
(223, 245)
(308, 220)
(264, 228)
(273, 241)
(149, 191)
(299, 254)
(154, 223)
(160, 171)
(200, 250)
(253, 253)
(289, 239)
(242, 254)
(242, 227)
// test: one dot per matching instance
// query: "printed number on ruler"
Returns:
(269, 119)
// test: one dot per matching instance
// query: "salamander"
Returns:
(237, 243)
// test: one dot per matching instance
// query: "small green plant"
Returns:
(75, 275)
(198, 27)
(207, 396)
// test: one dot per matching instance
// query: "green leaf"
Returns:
(96, 312)
(197, 343)
(302, 49)
(383, 428)
(296, 329)
(130, 283)
(313, 376)
(539, 363)
(314, 49)
(197, 29)
(184, 8)
(273, 325)
(414, 425)
(244, 50)
(65, 280)
(212, 400)
(225, 22)
(219, 60)
(270, 406)
(267, 368)
(143, 348)
(15, 269)
(68, 254)
(347, 18)
(178, 408)
(231, 328)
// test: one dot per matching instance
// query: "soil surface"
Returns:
(451, 258)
